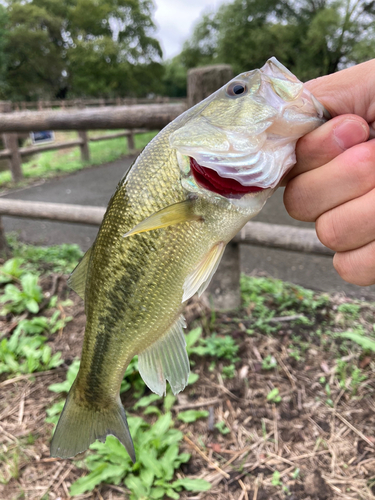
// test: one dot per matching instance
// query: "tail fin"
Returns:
(79, 426)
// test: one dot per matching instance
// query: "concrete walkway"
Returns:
(95, 185)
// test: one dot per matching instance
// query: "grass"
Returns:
(64, 161)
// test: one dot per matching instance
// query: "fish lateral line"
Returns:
(183, 211)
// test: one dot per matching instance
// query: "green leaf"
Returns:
(192, 415)
(136, 486)
(172, 494)
(193, 377)
(88, 483)
(32, 306)
(146, 400)
(192, 337)
(365, 342)
(191, 484)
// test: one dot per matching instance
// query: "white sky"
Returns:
(175, 20)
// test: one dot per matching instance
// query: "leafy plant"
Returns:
(222, 428)
(274, 396)
(367, 343)
(229, 371)
(151, 477)
(27, 298)
(190, 416)
(217, 346)
(22, 354)
(269, 363)
(267, 298)
(350, 311)
(11, 270)
(57, 258)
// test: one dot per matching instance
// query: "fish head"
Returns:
(240, 141)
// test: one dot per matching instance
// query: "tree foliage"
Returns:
(80, 47)
(311, 37)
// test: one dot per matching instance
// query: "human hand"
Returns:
(333, 182)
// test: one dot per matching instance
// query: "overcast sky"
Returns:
(175, 20)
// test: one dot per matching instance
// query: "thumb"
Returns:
(351, 90)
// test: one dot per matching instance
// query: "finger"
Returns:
(328, 141)
(348, 176)
(350, 225)
(357, 266)
(348, 91)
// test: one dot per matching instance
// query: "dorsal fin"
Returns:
(77, 280)
(182, 211)
(200, 278)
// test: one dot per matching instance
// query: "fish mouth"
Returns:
(225, 186)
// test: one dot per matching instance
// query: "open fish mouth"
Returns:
(225, 186)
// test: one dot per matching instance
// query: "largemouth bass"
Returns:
(162, 237)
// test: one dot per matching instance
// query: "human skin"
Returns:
(333, 181)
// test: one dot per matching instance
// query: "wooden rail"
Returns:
(135, 119)
(253, 233)
(80, 103)
(152, 116)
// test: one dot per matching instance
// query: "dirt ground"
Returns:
(319, 442)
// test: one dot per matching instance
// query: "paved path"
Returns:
(95, 185)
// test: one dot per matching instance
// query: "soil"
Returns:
(299, 449)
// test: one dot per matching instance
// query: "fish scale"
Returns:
(162, 238)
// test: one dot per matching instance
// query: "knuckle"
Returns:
(354, 268)
(365, 164)
(327, 228)
(296, 201)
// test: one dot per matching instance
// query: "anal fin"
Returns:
(166, 359)
(182, 211)
(200, 278)
(77, 280)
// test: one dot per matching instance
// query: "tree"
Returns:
(84, 47)
(311, 37)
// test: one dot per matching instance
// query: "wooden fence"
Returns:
(135, 119)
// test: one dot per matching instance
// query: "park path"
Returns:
(95, 185)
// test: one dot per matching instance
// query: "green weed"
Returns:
(350, 311)
(367, 343)
(269, 363)
(151, 477)
(274, 396)
(217, 346)
(23, 354)
(19, 300)
(11, 270)
(190, 416)
(57, 259)
(222, 428)
(267, 298)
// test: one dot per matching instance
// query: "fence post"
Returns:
(11, 142)
(84, 147)
(224, 290)
(5, 251)
(202, 82)
(131, 145)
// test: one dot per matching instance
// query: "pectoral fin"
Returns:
(166, 359)
(77, 280)
(200, 278)
(182, 211)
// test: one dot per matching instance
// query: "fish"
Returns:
(194, 186)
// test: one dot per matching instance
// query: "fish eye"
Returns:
(235, 89)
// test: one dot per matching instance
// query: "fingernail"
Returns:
(349, 133)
